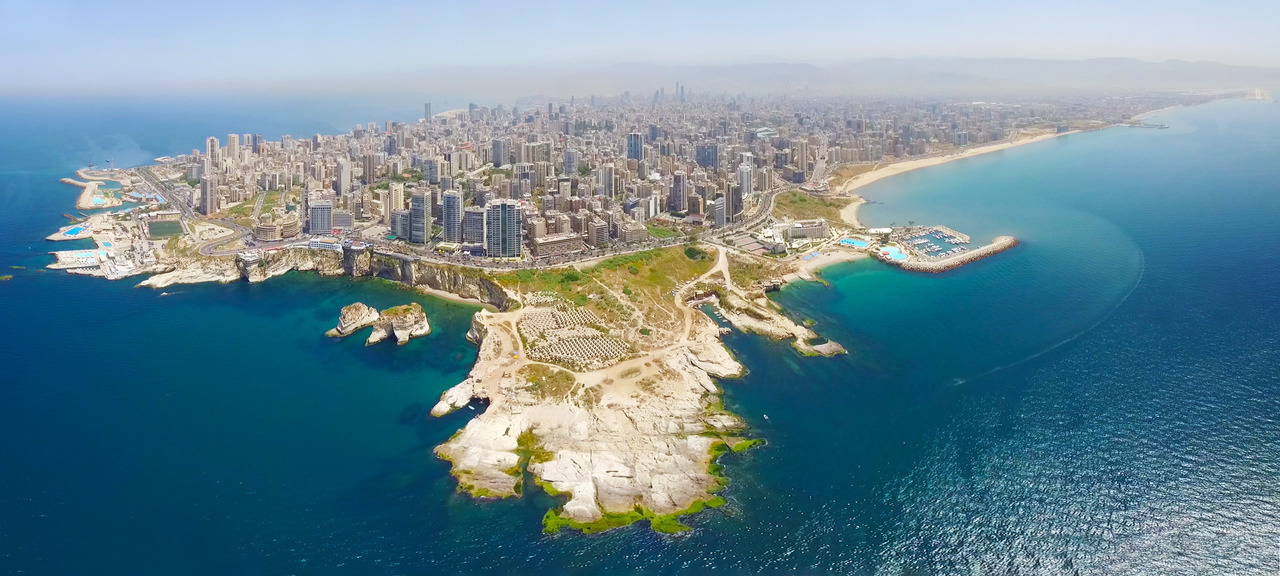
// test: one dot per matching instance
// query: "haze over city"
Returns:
(93, 46)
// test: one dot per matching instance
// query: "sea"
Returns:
(1102, 399)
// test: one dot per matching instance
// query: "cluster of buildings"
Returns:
(554, 178)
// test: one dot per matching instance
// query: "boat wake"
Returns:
(1141, 273)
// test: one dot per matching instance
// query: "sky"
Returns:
(87, 45)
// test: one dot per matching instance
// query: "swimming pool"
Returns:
(855, 243)
(893, 252)
(97, 200)
(106, 244)
(74, 231)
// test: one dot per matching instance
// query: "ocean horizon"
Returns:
(1100, 399)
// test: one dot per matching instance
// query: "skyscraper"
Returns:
(452, 216)
(233, 147)
(426, 111)
(501, 152)
(746, 180)
(502, 230)
(635, 146)
(717, 212)
(419, 218)
(708, 155)
(320, 217)
(212, 151)
(473, 225)
(570, 162)
(676, 203)
(342, 185)
(392, 201)
(209, 192)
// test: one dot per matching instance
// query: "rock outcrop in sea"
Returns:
(404, 322)
(353, 317)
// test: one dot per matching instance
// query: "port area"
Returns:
(924, 248)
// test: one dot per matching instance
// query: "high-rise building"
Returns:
(431, 170)
(426, 111)
(400, 223)
(394, 200)
(501, 149)
(419, 218)
(342, 184)
(708, 155)
(473, 225)
(635, 146)
(502, 230)
(677, 200)
(320, 217)
(733, 203)
(746, 180)
(209, 193)
(717, 212)
(212, 151)
(570, 162)
(370, 169)
(233, 147)
(452, 220)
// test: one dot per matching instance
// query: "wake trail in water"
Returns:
(1141, 273)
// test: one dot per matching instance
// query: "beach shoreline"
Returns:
(850, 213)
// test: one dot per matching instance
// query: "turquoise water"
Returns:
(893, 252)
(855, 243)
(1099, 400)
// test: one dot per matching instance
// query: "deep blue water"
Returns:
(1102, 399)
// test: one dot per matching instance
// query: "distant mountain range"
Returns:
(881, 76)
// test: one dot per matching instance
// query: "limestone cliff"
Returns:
(457, 280)
(277, 262)
(460, 281)
(194, 270)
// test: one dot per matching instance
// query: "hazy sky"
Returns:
(99, 44)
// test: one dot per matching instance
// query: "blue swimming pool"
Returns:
(74, 231)
(856, 243)
(106, 244)
(893, 252)
(97, 200)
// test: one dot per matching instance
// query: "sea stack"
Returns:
(353, 317)
(405, 322)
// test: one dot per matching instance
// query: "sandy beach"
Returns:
(850, 213)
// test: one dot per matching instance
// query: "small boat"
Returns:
(164, 293)
(766, 416)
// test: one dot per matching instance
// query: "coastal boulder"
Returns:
(354, 317)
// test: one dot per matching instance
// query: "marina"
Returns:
(924, 248)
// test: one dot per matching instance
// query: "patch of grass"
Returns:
(660, 232)
(548, 382)
(797, 205)
(745, 445)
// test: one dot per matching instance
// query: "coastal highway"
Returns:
(150, 181)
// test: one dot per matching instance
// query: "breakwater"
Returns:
(998, 245)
